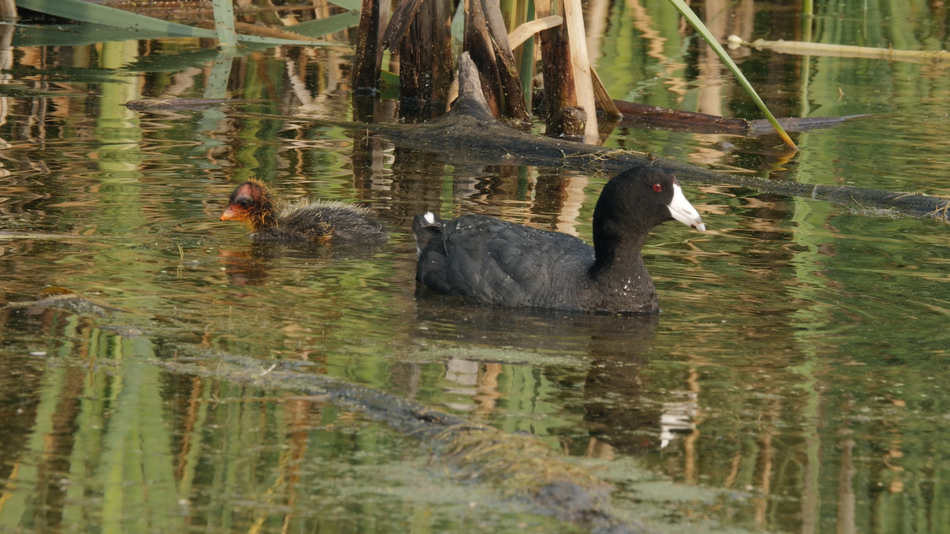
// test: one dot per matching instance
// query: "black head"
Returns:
(642, 198)
(635, 201)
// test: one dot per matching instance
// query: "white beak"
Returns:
(683, 211)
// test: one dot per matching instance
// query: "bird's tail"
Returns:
(424, 228)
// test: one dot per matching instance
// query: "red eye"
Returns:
(657, 187)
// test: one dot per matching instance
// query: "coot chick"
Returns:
(509, 264)
(317, 222)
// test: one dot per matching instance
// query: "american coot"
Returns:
(509, 264)
(305, 222)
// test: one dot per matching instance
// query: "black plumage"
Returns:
(509, 264)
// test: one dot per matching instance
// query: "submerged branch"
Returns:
(471, 135)
(521, 467)
(801, 48)
(645, 115)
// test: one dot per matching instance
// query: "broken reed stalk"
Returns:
(420, 32)
(527, 30)
(514, 14)
(266, 31)
(556, 70)
(580, 65)
(487, 40)
(368, 52)
(515, 108)
(602, 97)
(398, 25)
(479, 46)
(800, 48)
(425, 59)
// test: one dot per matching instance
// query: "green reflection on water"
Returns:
(798, 369)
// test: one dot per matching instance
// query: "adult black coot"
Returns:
(305, 222)
(509, 264)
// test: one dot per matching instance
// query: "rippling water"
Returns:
(794, 381)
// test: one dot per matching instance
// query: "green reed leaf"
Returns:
(710, 39)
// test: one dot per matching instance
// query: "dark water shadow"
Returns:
(459, 319)
(250, 265)
(612, 349)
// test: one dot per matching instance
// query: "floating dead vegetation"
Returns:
(62, 298)
(519, 468)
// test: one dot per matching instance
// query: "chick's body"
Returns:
(305, 222)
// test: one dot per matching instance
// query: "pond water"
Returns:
(795, 381)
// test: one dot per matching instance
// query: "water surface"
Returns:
(794, 381)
